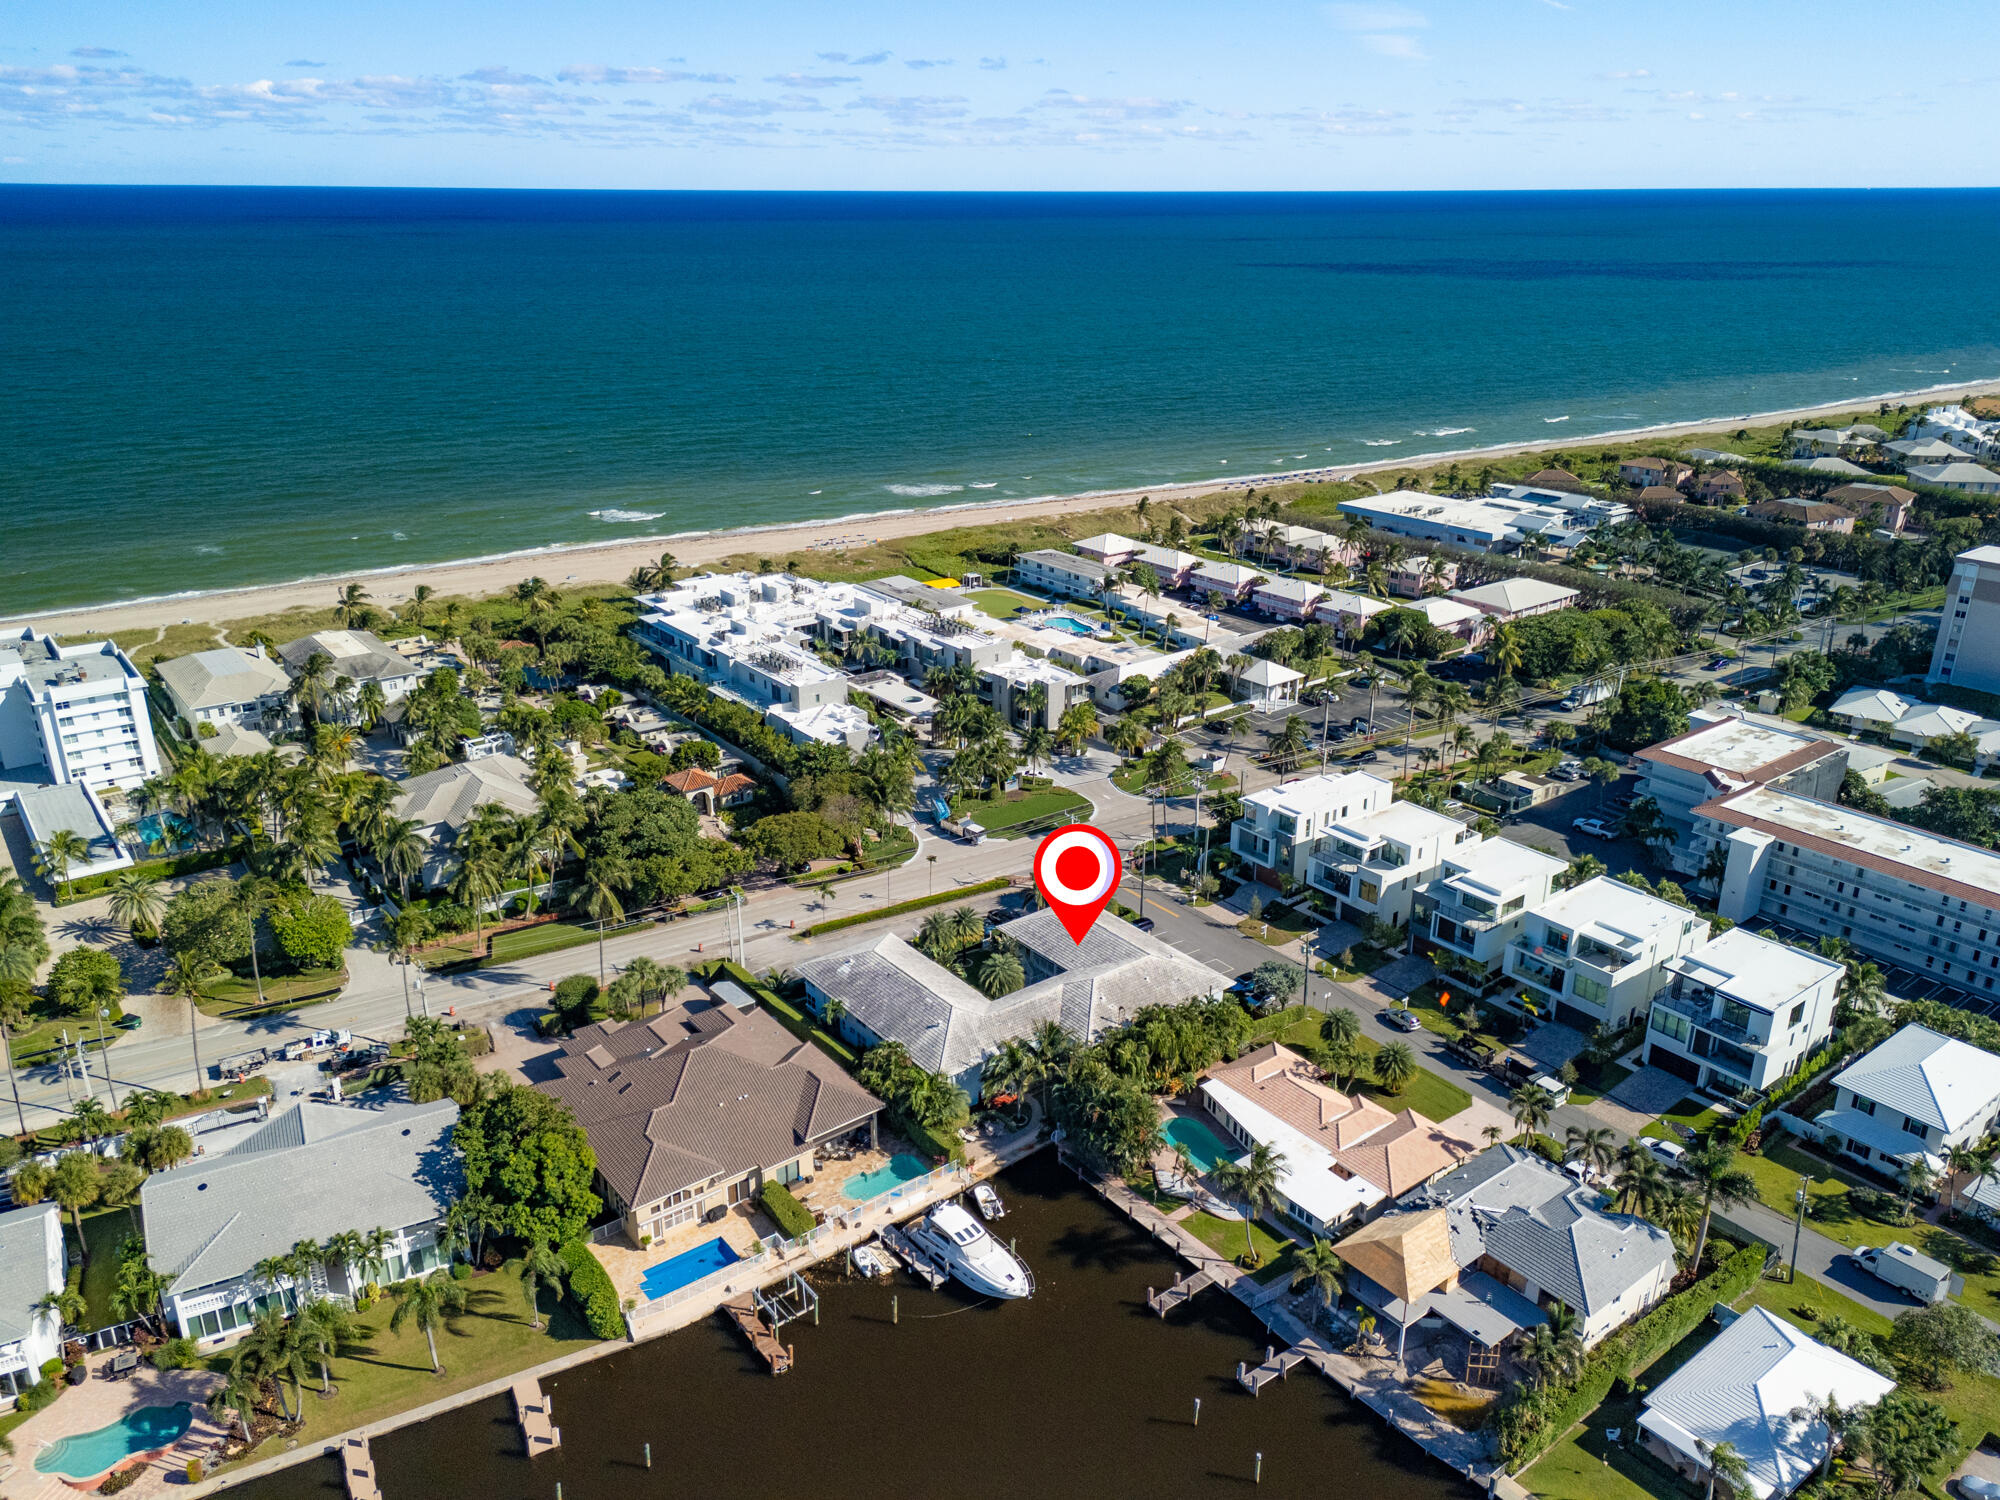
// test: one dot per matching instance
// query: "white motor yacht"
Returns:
(960, 1244)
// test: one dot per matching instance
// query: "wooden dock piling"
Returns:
(743, 1312)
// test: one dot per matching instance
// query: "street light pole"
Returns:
(1799, 1225)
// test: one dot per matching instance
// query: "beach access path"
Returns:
(613, 562)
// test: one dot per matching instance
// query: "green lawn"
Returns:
(380, 1372)
(231, 998)
(104, 1232)
(1131, 778)
(1003, 604)
(997, 815)
(1586, 1466)
(47, 1036)
(1692, 1113)
(1277, 927)
(1233, 1237)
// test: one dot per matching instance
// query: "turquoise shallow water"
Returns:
(85, 1455)
(206, 388)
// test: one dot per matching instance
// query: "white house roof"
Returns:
(1308, 1175)
(1955, 473)
(1268, 674)
(1762, 974)
(1107, 541)
(1946, 1083)
(1878, 705)
(1831, 466)
(1498, 864)
(1929, 720)
(218, 678)
(1512, 595)
(1225, 574)
(1742, 1390)
(1341, 602)
(30, 1239)
(1613, 913)
(359, 654)
(1445, 613)
(1320, 794)
(450, 794)
(1292, 590)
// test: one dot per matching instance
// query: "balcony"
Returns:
(1337, 880)
(1525, 964)
(1698, 1012)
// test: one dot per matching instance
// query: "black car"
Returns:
(1144, 924)
(1717, 663)
(1360, 726)
(1366, 757)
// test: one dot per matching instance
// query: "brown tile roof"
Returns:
(701, 1092)
(1858, 497)
(1405, 1254)
(691, 779)
(1404, 1155)
(1554, 478)
(1659, 492)
(734, 782)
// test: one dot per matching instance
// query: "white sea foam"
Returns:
(617, 517)
(1555, 419)
(1444, 431)
(207, 551)
(923, 491)
(399, 536)
(1379, 442)
(985, 484)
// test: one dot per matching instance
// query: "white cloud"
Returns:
(96, 52)
(927, 62)
(599, 73)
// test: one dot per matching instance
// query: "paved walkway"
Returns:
(99, 1402)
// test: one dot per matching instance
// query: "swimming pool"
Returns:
(900, 1169)
(1068, 623)
(688, 1266)
(85, 1455)
(1204, 1145)
(162, 830)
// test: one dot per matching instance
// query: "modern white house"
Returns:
(1917, 1095)
(1731, 754)
(228, 685)
(1967, 653)
(73, 714)
(1741, 1011)
(1480, 899)
(1061, 573)
(1745, 1388)
(1899, 894)
(31, 1267)
(310, 1173)
(1596, 954)
(1283, 824)
(1489, 525)
(1373, 865)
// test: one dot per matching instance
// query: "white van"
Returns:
(1555, 1088)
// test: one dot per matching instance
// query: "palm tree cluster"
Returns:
(928, 1099)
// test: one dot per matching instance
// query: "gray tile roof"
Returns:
(450, 794)
(226, 675)
(26, 1237)
(701, 1091)
(359, 654)
(1920, 1073)
(1514, 1206)
(311, 1172)
(948, 1026)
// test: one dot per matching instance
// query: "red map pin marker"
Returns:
(1076, 870)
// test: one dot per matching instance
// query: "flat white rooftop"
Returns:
(1613, 913)
(1940, 864)
(1738, 746)
(1316, 794)
(1763, 974)
(1405, 822)
(1497, 865)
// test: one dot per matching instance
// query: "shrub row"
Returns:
(162, 869)
(940, 1145)
(1815, 1064)
(790, 1215)
(877, 913)
(1638, 1346)
(590, 1287)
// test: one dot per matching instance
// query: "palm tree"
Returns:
(1001, 973)
(1530, 1105)
(275, 1351)
(426, 1302)
(1596, 1147)
(1553, 1351)
(249, 898)
(324, 1326)
(136, 900)
(369, 705)
(1253, 1182)
(351, 605)
(1641, 1181)
(540, 1267)
(1340, 1027)
(75, 1185)
(1395, 1065)
(238, 1395)
(597, 893)
(399, 848)
(374, 1252)
(1725, 1468)
(1863, 988)
(186, 975)
(937, 937)
(1317, 1265)
(477, 882)
(1290, 740)
(1718, 1180)
(1128, 737)
(58, 854)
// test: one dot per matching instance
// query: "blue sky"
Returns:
(751, 94)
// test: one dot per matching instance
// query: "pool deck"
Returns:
(98, 1403)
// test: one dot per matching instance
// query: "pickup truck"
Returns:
(1907, 1270)
(242, 1065)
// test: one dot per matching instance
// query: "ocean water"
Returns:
(208, 388)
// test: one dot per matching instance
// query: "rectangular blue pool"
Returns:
(688, 1266)
(1202, 1144)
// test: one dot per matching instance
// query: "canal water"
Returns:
(1077, 1391)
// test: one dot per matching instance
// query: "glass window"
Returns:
(1798, 1014)
(1670, 1024)
(1913, 1127)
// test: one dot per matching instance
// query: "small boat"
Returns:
(872, 1260)
(919, 1259)
(960, 1245)
(990, 1206)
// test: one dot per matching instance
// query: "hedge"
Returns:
(1537, 1419)
(790, 1215)
(941, 1144)
(161, 869)
(877, 913)
(1814, 1065)
(591, 1289)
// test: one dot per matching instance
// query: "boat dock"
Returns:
(1181, 1291)
(536, 1415)
(919, 1261)
(358, 1465)
(1275, 1367)
(743, 1312)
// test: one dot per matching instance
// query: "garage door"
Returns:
(1674, 1063)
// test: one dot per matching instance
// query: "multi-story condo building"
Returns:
(1967, 653)
(1282, 825)
(73, 714)
(1740, 1011)
(1897, 893)
(1374, 864)
(1288, 598)
(1486, 525)
(1582, 509)
(1030, 691)
(1596, 954)
(1234, 581)
(1062, 573)
(1723, 755)
(1109, 548)
(1481, 896)
(228, 685)
(1917, 1095)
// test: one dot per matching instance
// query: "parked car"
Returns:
(1360, 726)
(1717, 663)
(1593, 828)
(1362, 681)
(1402, 1018)
(1972, 1486)
(1366, 757)
(1554, 1087)
(1144, 924)
(1669, 1153)
(1907, 1270)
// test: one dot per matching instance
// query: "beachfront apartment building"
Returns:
(1233, 581)
(73, 714)
(1288, 598)
(1421, 575)
(1454, 617)
(1488, 525)
(1480, 898)
(1583, 509)
(1029, 690)
(1927, 904)
(1967, 653)
(1916, 1097)
(1108, 548)
(1740, 1012)
(307, 1174)
(1721, 754)
(690, 1113)
(1063, 574)
(32, 1267)
(1348, 613)
(228, 685)
(1596, 954)
(1282, 825)
(1372, 865)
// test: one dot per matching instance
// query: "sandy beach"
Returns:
(613, 562)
